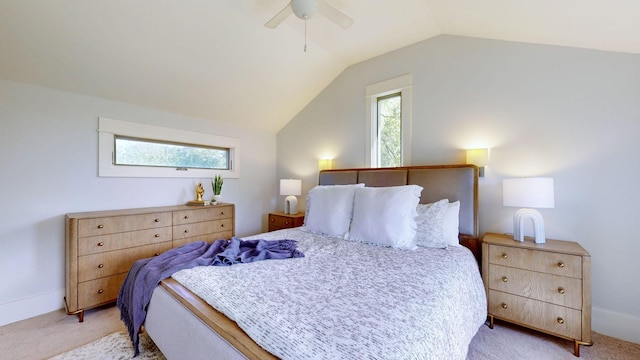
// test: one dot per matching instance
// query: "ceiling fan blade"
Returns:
(279, 18)
(334, 15)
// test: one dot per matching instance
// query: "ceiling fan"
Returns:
(305, 9)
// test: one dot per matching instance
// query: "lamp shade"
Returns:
(528, 192)
(325, 164)
(478, 157)
(290, 187)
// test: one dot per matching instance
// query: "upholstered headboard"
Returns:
(453, 182)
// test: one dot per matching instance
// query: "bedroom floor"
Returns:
(51, 334)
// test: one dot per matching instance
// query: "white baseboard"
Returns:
(29, 307)
(621, 326)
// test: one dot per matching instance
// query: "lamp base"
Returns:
(538, 225)
(291, 205)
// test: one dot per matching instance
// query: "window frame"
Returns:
(401, 84)
(108, 128)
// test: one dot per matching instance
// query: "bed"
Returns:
(347, 298)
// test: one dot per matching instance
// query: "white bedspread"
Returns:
(347, 300)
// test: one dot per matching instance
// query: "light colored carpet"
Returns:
(504, 342)
(116, 346)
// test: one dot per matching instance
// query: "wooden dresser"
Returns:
(101, 246)
(546, 287)
(279, 220)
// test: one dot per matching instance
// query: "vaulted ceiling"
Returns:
(215, 59)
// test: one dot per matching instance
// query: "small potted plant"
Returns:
(216, 185)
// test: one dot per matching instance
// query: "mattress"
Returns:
(348, 300)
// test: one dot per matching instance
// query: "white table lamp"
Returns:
(291, 188)
(528, 193)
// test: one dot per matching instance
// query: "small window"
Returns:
(146, 152)
(128, 149)
(388, 123)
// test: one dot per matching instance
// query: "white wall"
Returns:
(48, 147)
(571, 114)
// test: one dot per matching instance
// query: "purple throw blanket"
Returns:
(146, 274)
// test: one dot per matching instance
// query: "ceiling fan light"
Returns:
(304, 9)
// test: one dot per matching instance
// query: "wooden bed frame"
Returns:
(453, 182)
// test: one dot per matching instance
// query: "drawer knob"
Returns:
(273, 220)
(101, 266)
(100, 291)
(561, 290)
(221, 225)
(100, 243)
(186, 216)
(186, 231)
(157, 220)
(560, 264)
(505, 279)
(286, 223)
(504, 255)
(157, 235)
(100, 226)
(560, 320)
(221, 212)
(504, 305)
(157, 254)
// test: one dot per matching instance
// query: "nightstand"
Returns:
(279, 220)
(545, 287)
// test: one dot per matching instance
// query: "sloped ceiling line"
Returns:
(216, 60)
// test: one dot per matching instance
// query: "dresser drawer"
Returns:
(99, 291)
(541, 261)
(280, 221)
(113, 262)
(559, 320)
(116, 224)
(202, 214)
(555, 289)
(208, 238)
(202, 228)
(102, 243)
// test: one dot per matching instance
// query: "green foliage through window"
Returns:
(145, 152)
(390, 130)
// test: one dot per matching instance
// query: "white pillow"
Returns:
(385, 216)
(451, 224)
(427, 220)
(430, 224)
(329, 209)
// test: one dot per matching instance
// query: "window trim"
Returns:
(108, 128)
(401, 84)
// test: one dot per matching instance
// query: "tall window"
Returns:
(388, 123)
(389, 130)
